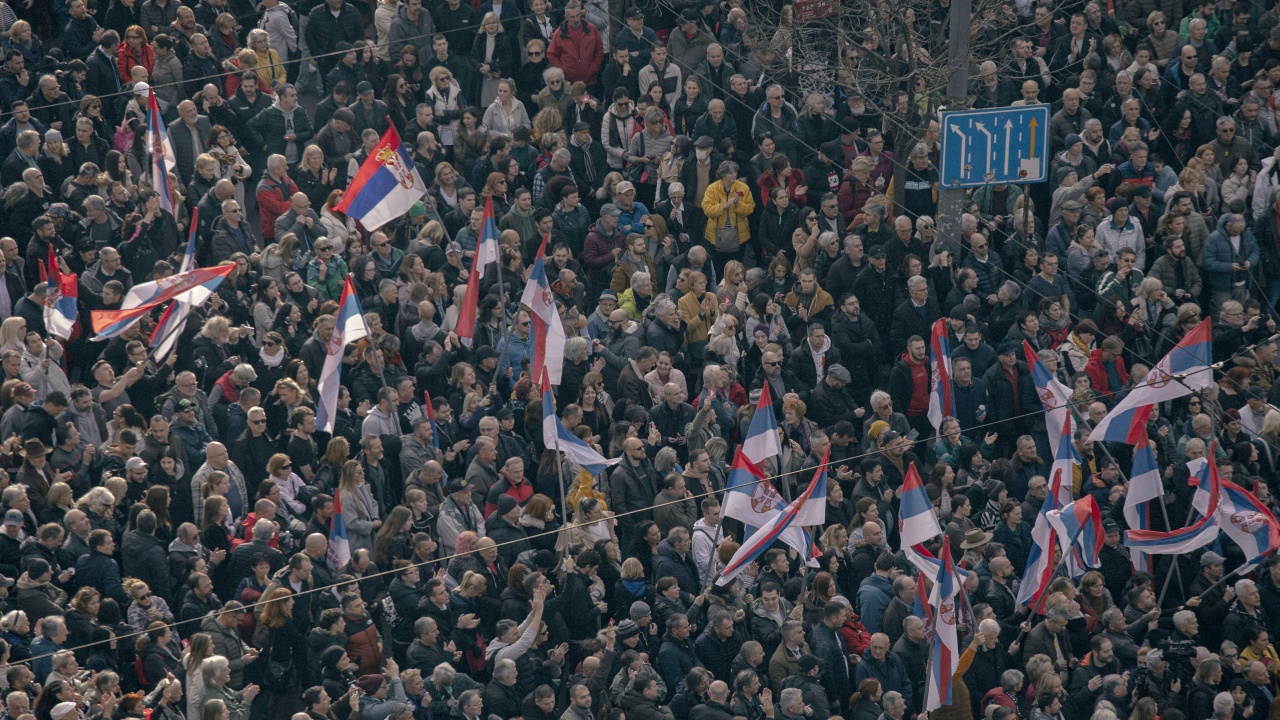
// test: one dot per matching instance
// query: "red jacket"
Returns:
(126, 58)
(1098, 373)
(274, 199)
(578, 51)
(768, 182)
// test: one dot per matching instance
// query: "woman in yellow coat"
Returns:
(271, 72)
(727, 204)
(699, 309)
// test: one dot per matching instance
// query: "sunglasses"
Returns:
(260, 422)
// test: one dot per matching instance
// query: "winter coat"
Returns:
(578, 50)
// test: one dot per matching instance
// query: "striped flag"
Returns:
(941, 402)
(944, 657)
(486, 252)
(349, 328)
(162, 157)
(339, 547)
(174, 321)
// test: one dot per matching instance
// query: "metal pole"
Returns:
(950, 200)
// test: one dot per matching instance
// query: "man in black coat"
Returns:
(671, 417)
(632, 487)
(676, 560)
(816, 350)
(1007, 401)
(830, 402)
(915, 316)
(145, 557)
(242, 557)
(98, 570)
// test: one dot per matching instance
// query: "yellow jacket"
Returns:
(697, 324)
(271, 72)
(713, 207)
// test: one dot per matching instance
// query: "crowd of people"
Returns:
(723, 210)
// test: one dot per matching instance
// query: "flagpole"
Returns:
(564, 509)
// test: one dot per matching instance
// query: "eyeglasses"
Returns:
(535, 53)
(772, 364)
(324, 249)
(286, 467)
(259, 422)
(378, 245)
(234, 210)
(648, 225)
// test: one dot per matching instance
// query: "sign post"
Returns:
(994, 147)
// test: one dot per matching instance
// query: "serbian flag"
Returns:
(751, 498)
(1247, 521)
(1054, 396)
(431, 416)
(1079, 529)
(339, 547)
(1145, 485)
(486, 252)
(194, 287)
(1040, 559)
(920, 606)
(1188, 367)
(162, 157)
(349, 328)
(944, 657)
(555, 436)
(1194, 536)
(917, 524)
(548, 333)
(941, 402)
(174, 321)
(1065, 460)
(60, 311)
(386, 187)
(762, 440)
(762, 539)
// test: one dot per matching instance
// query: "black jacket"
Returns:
(145, 558)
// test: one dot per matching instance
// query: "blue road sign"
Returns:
(997, 145)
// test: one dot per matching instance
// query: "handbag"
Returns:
(279, 673)
(638, 172)
(727, 238)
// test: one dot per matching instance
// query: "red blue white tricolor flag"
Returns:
(944, 656)
(60, 311)
(941, 402)
(349, 328)
(548, 332)
(386, 186)
(162, 157)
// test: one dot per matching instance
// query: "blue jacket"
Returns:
(675, 659)
(966, 402)
(874, 596)
(42, 650)
(515, 358)
(1218, 258)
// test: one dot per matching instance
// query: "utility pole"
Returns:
(950, 200)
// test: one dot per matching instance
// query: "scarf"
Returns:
(588, 164)
(1075, 339)
(272, 361)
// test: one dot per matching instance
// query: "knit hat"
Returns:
(876, 428)
(53, 136)
(370, 684)
(506, 504)
(807, 663)
(639, 610)
(627, 629)
(1071, 140)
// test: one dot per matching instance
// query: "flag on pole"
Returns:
(1065, 459)
(1194, 536)
(1247, 521)
(772, 530)
(751, 498)
(194, 287)
(548, 332)
(762, 440)
(348, 329)
(174, 321)
(1188, 367)
(1079, 528)
(1041, 557)
(1054, 396)
(944, 657)
(486, 252)
(162, 157)
(917, 524)
(339, 547)
(386, 186)
(60, 310)
(555, 436)
(941, 402)
(1145, 485)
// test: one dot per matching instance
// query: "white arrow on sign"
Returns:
(964, 141)
(991, 141)
(1008, 132)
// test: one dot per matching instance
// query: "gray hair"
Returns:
(989, 627)
(1154, 658)
(95, 202)
(28, 138)
(263, 530)
(638, 277)
(1182, 618)
(1223, 704)
(1011, 288)
(213, 666)
(890, 698)
(504, 670)
(575, 349)
(662, 307)
(792, 697)
(1010, 679)
(1244, 585)
(916, 281)
(243, 371)
(277, 161)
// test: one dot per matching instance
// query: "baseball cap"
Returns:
(1211, 558)
(13, 517)
(688, 15)
(364, 87)
(23, 388)
(624, 187)
(610, 208)
(183, 405)
(136, 463)
(458, 485)
(877, 252)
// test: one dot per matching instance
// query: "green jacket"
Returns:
(270, 125)
(335, 277)
(237, 708)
